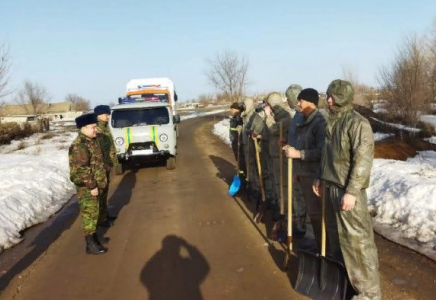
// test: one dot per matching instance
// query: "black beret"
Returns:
(86, 119)
(102, 109)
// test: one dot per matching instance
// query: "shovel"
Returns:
(319, 277)
(236, 183)
(278, 232)
(289, 238)
(247, 176)
(261, 212)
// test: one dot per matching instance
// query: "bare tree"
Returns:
(405, 83)
(33, 97)
(363, 94)
(431, 46)
(4, 70)
(78, 103)
(228, 73)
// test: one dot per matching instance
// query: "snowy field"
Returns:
(402, 196)
(34, 182)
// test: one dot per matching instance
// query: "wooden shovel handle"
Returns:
(323, 229)
(239, 154)
(290, 204)
(259, 168)
(282, 200)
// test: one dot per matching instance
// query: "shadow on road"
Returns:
(121, 196)
(36, 242)
(226, 171)
(176, 271)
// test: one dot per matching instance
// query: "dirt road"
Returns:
(180, 236)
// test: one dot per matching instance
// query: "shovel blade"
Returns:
(320, 278)
(307, 272)
(234, 187)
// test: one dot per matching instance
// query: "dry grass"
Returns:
(37, 150)
(63, 147)
(48, 136)
(22, 145)
(13, 131)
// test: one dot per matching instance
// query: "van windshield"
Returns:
(140, 117)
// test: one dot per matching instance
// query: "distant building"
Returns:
(61, 111)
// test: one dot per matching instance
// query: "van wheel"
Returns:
(171, 163)
(119, 169)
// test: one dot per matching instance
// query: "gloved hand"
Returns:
(239, 129)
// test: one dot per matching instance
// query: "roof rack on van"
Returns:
(137, 99)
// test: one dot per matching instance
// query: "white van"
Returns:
(144, 131)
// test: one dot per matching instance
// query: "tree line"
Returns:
(407, 85)
(32, 95)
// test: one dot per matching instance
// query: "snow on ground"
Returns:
(378, 136)
(399, 126)
(402, 196)
(34, 179)
(202, 114)
(379, 106)
(432, 120)
(34, 182)
(221, 129)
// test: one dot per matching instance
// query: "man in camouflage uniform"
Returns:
(107, 146)
(88, 173)
(346, 162)
(277, 114)
(305, 150)
(298, 201)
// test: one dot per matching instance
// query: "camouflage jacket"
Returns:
(256, 126)
(348, 151)
(87, 168)
(281, 115)
(106, 143)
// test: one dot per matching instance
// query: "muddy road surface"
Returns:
(179, 236)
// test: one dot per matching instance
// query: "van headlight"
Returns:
(119, 141)
(163, 137)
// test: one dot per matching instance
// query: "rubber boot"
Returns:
(101, 239)
(92, 246)
(106, 223)
(111, 218)
(260, 213)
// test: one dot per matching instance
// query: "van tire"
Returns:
(119, 169)
(171, 163)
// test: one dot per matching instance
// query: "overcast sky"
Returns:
(93, 48)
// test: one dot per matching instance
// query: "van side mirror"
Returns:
(176, 119)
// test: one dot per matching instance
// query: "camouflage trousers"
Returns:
(103, 194)
(89, 210)
(351, 240)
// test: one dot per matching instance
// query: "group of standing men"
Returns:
(335, 147)
(92, 155)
